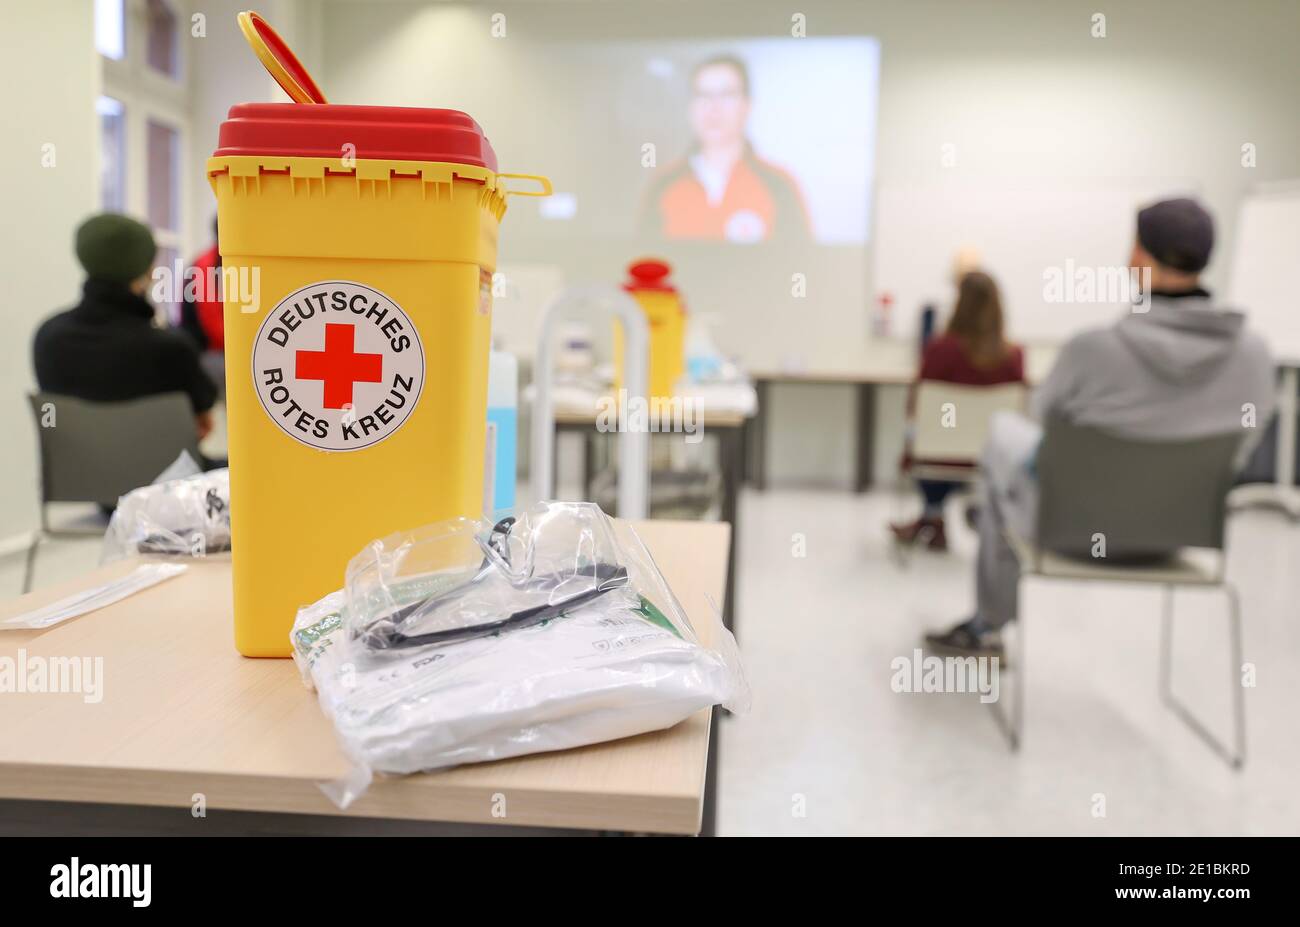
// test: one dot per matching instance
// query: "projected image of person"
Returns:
(722, 189)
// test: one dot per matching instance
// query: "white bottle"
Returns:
(704, 362)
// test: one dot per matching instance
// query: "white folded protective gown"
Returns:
(605, 671)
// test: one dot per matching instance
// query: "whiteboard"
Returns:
(1263, 278)
(1020, 233)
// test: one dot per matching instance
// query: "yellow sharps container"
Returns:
(666, 318)
(356, 376)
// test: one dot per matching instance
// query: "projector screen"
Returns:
(737, 141)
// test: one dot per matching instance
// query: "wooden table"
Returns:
(183, 714)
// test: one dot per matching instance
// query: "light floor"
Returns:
(829, 748)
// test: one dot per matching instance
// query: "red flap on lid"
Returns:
(395, 133)
(649, 274)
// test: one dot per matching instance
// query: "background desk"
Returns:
(731, 428)
(880, 362)
(183, 713)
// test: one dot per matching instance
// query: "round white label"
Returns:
(338, 365)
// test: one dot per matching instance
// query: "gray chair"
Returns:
(1152, 502)
(98, 451)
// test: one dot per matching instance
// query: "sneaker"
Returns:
(965, 640)
(927, 531)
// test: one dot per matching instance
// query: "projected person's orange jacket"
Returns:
(758, 201)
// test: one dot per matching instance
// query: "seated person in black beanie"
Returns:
(106, 348)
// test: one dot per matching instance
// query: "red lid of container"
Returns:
(650, 274)
(396, 133)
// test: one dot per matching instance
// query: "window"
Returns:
(110, 28)
(163, 199)
(144, 118)
(164, 176)
(112, 141)
(166, 257)
(161, 38)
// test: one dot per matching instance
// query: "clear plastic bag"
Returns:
(187, 517)
(456, 580)
(88, 600)
(464, 642)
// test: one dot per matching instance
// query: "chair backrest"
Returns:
(951, 421)
(1144, 497)
(97, 451)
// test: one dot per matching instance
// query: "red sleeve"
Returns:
(934, 365)
(1017, 364)
(936, 359)
(212, 318)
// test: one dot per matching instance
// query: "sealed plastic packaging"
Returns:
(465, 641)
(89, 600)
(187, 517)
(454, 581)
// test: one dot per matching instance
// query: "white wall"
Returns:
(1021, 89)
(49, 82)
(223, 71)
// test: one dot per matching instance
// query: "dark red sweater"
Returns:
(945, 359)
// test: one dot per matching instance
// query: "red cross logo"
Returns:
(339, 366)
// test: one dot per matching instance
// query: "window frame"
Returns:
(146, 95)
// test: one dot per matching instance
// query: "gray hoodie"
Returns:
(1183, 369)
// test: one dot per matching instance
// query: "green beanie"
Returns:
(115, 247)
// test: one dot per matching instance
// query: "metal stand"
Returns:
(634, 457)
(1235, 756)
(1013, 726)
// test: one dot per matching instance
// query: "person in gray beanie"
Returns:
(1178, 366)
(107, 348)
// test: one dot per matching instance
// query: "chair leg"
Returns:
(30, 567)
(1235, 757)
(1234, 674)
(1012, 722)
(1166, 641)
(902, 552)
(1021, 683)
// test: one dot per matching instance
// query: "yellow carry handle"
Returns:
(544, 182)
